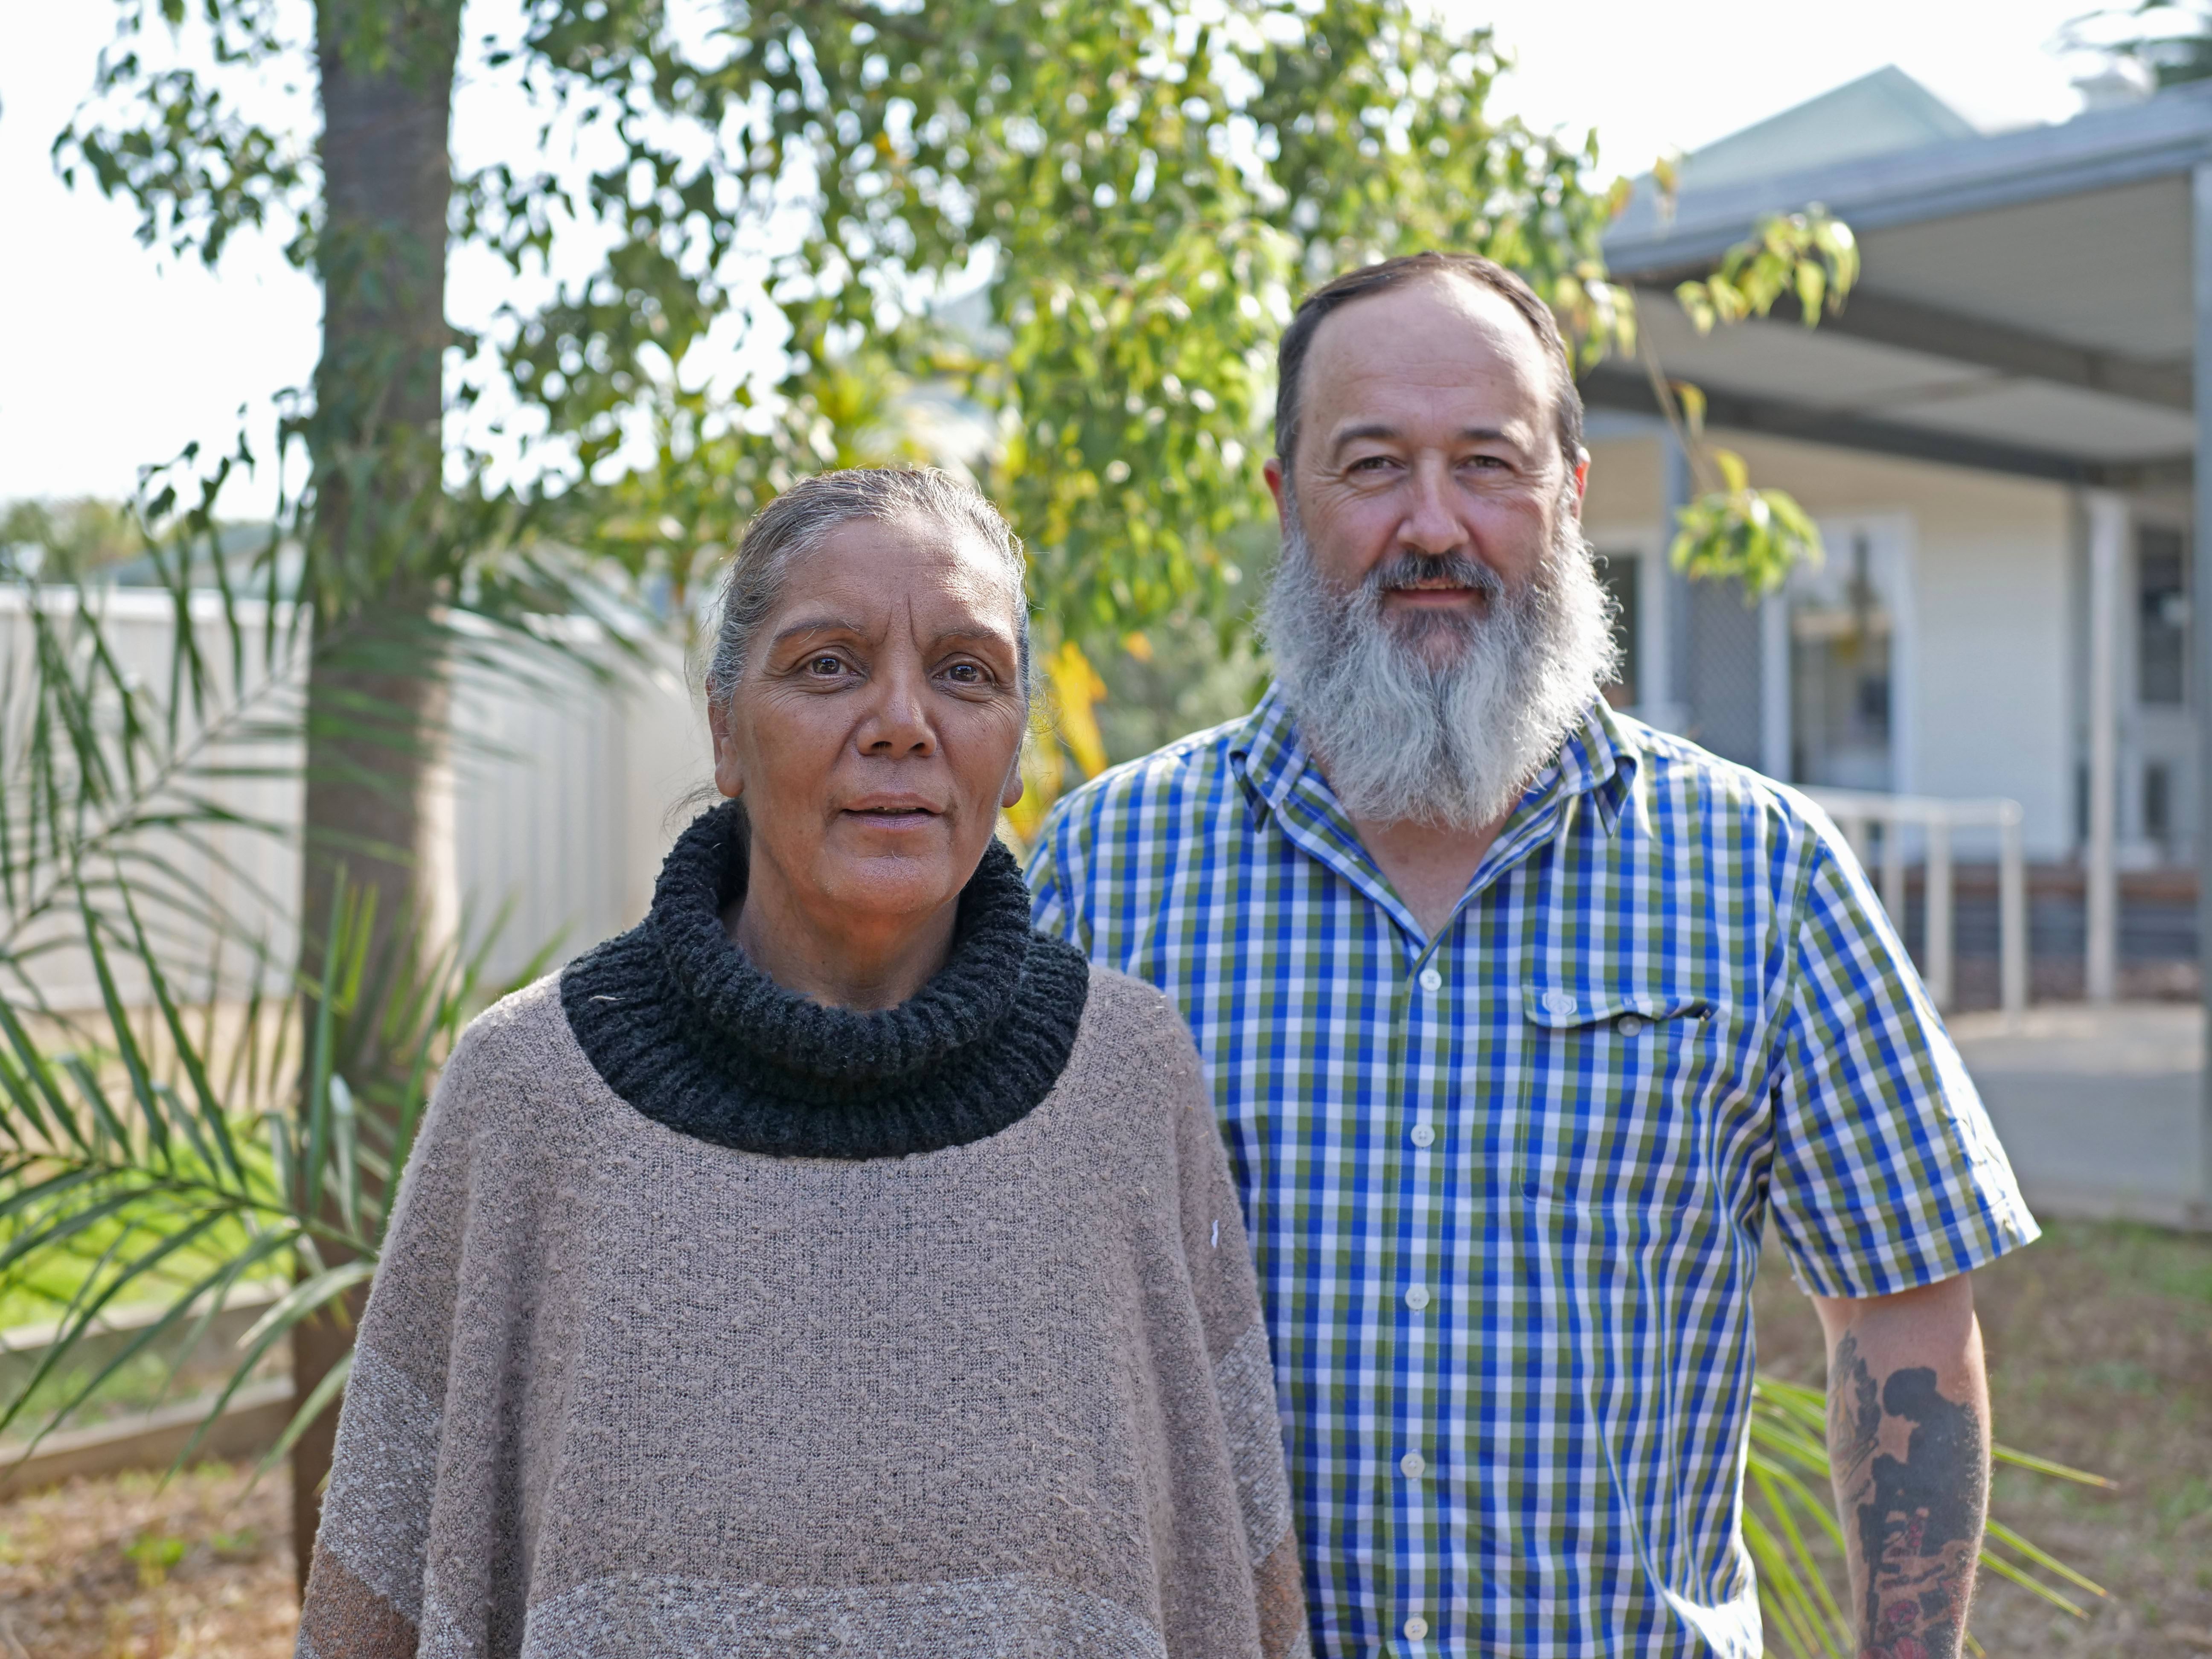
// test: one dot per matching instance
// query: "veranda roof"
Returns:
(2030, 302)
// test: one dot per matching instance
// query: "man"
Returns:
(1523, 1020)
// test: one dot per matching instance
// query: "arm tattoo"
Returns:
(1914, 1524)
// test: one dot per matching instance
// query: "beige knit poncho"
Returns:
(623, 1391)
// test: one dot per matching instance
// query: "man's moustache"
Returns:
(1431, 571)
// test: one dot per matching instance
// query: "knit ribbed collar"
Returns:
(685, 1028)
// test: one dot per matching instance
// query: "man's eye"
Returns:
(825, 666)
(966, 674)
(1371, 463)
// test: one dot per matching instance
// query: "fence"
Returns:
(1857, 812)
(552, 809)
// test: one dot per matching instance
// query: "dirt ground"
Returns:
(2100, 1356)
(116, 1569)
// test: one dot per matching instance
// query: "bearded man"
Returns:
(1524, 1020)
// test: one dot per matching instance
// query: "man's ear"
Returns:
(1273, 471)
(729, 777)
(1582, 480)
(1010, 796)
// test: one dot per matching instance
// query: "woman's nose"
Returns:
(897, 722)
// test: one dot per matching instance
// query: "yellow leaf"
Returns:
(1078, 690)
(1693, 399)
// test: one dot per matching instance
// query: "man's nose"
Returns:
(897, 723)
(1430, 525)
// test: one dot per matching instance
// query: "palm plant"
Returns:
(220, 1149)
(154, 737)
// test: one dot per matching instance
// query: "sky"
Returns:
(113, 356)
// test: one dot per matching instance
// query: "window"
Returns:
(1840, 630)
(2158, 803)
(2161, 616)
(1618, 572)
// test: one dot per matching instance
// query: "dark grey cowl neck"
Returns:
(684, 1029)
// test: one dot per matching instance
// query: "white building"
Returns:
(1997, 435)
(2001, 411)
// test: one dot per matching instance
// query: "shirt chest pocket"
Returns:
(1617, 1103)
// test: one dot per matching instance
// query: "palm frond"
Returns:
(129, 1175)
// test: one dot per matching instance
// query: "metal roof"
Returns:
(1887, 110)
(2025, 303)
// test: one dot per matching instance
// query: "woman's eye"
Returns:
(825, 666)
(965, 673)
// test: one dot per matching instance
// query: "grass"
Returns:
(2099, 1340)
(46, 1297)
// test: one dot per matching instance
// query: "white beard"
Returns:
(1452, 744)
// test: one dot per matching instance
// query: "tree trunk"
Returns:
(376, 688)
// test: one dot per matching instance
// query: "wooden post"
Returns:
(2108, 524)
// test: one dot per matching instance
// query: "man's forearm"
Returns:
(1908, 1438)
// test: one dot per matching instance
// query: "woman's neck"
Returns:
(839, 959)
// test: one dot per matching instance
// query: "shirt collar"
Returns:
(1597, 761)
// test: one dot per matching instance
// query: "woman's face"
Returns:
(874, 733)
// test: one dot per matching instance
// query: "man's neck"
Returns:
(1428, 867)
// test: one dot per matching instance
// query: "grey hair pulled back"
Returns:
(801, 519)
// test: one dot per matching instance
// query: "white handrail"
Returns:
(1855, 811)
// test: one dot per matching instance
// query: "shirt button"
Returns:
(1558, 1002)
(1413, 1463)
(1416, 1628)
(1422, 1134)
(1431, 980)
(1417, 1298)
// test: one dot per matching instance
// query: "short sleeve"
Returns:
(1887, 1174)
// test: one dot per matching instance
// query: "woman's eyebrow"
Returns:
(987, 636)
(806, 625)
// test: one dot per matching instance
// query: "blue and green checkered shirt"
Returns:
(1507, 1186)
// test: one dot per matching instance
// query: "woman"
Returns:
(832, 1264)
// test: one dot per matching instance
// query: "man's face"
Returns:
(1426, 430)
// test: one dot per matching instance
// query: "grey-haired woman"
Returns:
(831, 1264)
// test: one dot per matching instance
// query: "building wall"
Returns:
(1991, 682)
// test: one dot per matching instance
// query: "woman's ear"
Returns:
(1010, 795)
(729, 776)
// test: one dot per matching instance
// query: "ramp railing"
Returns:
(1856, 811)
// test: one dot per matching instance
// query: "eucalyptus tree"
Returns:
(2177, 49)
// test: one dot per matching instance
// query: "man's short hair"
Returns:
(1297, 339)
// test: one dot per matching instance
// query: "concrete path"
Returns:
(2101, 1109)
